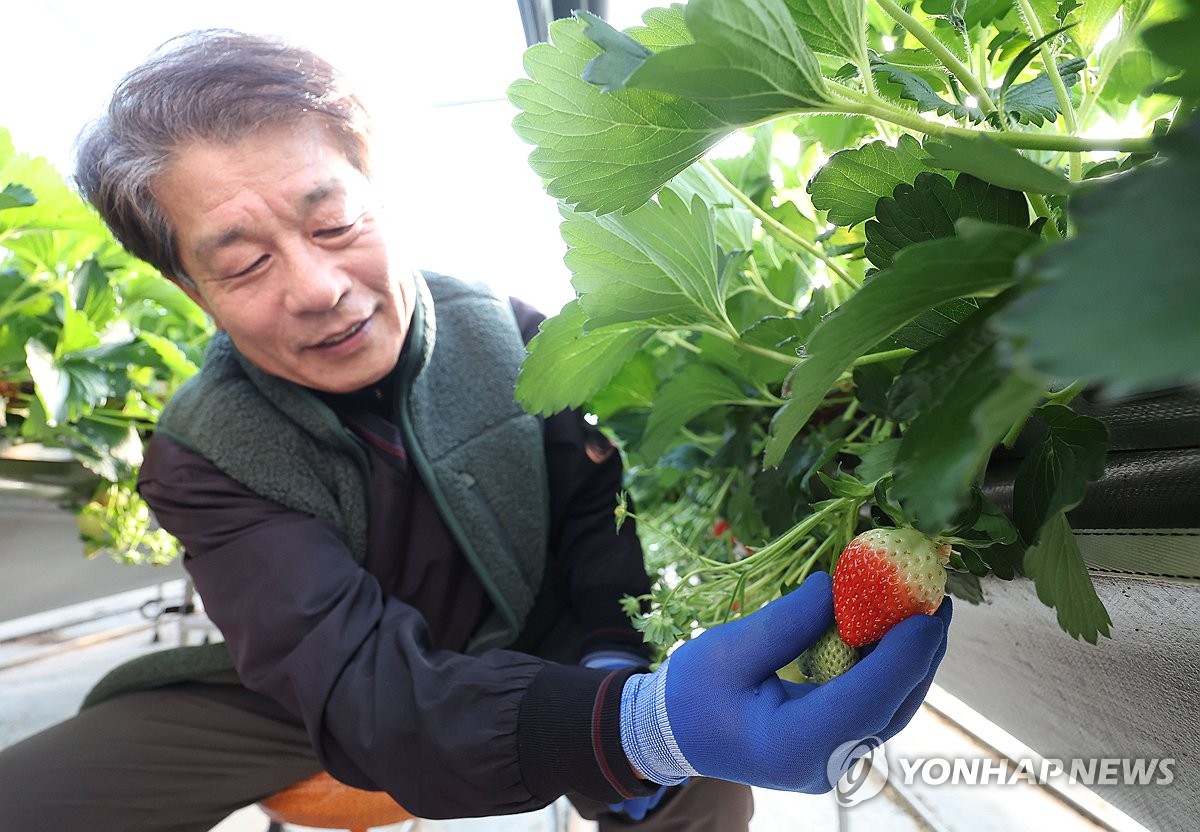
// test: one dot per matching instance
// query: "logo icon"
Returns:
(851, 766)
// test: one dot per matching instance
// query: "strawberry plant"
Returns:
(92, 342)
(832, 256)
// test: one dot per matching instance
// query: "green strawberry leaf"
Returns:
(16, 196)
(696, 390)
(972, 13)
(976, 262)
(622, 55)
(732, 221)
(1062, 581)
(567, 364)
(633, 387)
(965, 587)
(992, 162)
(877, 462)
(928, 209)
(945, 448)
(1055, 475)
(832, 27)
(1175, 42)
(606, 151)
(747, 63)
(1133, 272)
(658, 261)
(936, 372)
(929, 327)
(852, 181)
(1093, 20)
(1035, 102)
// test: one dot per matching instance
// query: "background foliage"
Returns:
(830, 256)
(92, 343)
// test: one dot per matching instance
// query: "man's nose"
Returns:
(316, 282)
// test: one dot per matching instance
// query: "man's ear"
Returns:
(197, 298)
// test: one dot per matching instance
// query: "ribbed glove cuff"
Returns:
(646, 734)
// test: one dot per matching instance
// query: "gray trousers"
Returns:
(182, 758)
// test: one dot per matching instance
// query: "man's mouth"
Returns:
(333, 340)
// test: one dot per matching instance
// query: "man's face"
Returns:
(284, 240)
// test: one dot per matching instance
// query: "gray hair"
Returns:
(214, 85)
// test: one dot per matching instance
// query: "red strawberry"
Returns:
(883, 576)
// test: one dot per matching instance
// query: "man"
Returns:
(417, 583)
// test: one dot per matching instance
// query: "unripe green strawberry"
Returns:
(829, 658)
(882, 577)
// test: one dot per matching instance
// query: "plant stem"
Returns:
(855, 103)
(960, 70)
(781, 231)
(733, 338)
(674, 339)
(1042, 209)
(1074, 168)
(759, 284)
(1067, 394)
(880, 357)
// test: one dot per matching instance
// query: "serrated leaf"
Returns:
(694, 391)
(732, 221)
(964, 587)
(928, 209)
(52, 384)
(871, 385)
(1054, 476)
(852, 181)
(833, 132)
(1026, 55)
(747, 63)
(946, 447)
(92, 293)
(878, 461)
(832, 27)
(1094, 19)
(1132, 75)
(910, 86)
(173, 358)
(110, 451)
(1132, 266)
(993, 162)
(977, 262)
(619, 58)
(632, 388)
(566, 365)
(1062, 581)
(928, 327)
(1174, 41)
(16, 196)
(54, 206)
(605, 151)
(660, 260)
(935, 373)
(1035, 102)
(973, 12)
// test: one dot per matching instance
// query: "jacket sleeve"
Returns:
(596, 564)
(446, 735)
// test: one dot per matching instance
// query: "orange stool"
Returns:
(324, 803)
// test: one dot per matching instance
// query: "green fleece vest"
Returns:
(478, 453)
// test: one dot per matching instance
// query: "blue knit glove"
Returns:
(636, 808)
(716, 708)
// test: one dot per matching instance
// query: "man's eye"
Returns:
(252, 267)
(336, 232)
